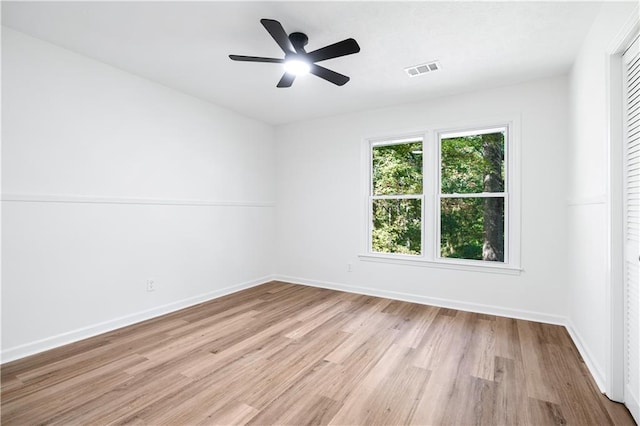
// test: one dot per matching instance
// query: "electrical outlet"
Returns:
(349, 267)
(151, 285)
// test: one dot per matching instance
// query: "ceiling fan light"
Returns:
(297, 66)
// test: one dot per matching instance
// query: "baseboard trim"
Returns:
(433, 301)
(32, 348)
(589, 360)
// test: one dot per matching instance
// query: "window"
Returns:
(472, 195)
(444, 197)
(396, 197)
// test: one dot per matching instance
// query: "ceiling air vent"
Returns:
(417, 70)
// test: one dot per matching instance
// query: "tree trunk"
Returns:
(493, 235)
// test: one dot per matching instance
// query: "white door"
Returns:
(631, 197)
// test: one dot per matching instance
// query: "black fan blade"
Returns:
(341, 48)
(286, 80)
(278, 33)
(255, 59)
(331, 76)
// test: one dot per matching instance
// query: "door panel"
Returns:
(631, 201)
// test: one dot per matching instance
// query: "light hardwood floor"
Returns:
(288, 354)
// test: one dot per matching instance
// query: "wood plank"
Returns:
(234, 414)
(542, 412)
(507, 343)
(289, 408)
(534, 359)
(340, 379)
(471, 401)
(511, 395)
(420, 323)
(363, 333)
(397, 397)
(356, 407)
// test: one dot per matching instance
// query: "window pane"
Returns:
(472, 228)
(397, 169)
(472, 164)
(397, 226)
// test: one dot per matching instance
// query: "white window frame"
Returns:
(371, 197)
(431, 197)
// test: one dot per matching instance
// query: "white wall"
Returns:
(109, 180)
(319, 208)
(589, 192)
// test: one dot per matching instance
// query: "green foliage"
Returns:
(397, 226)
(461, 228)
(397, 169)
(471, 164)
(464, 165)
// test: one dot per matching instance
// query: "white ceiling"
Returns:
(185, 45)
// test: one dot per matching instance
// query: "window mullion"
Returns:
(474, 195)
(430, 177)
(438, 196)
(397, 197)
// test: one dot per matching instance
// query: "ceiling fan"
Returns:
(297, 61)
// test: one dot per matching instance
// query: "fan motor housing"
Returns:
(299, 40)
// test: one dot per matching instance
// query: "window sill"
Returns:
(460, 265)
